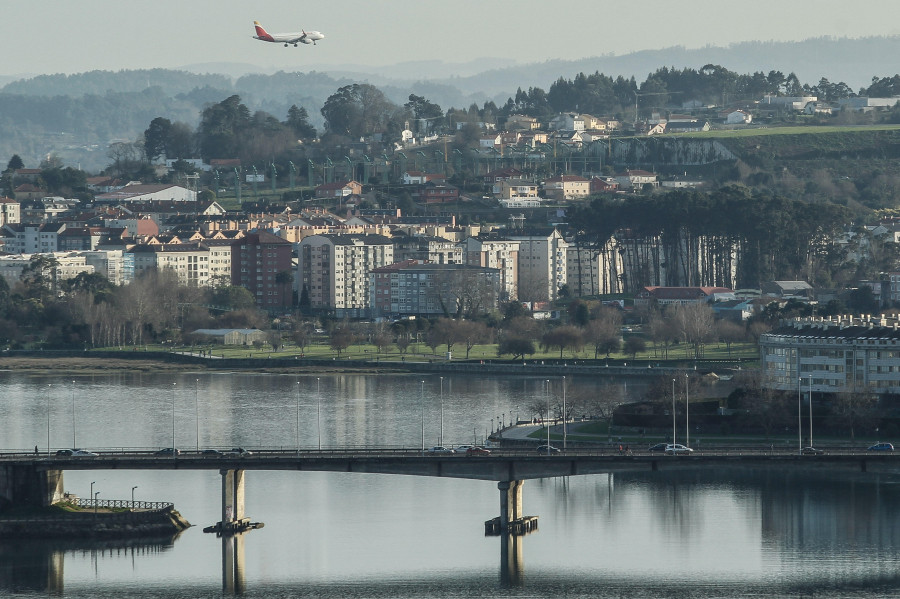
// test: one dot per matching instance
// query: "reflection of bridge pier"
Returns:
(233, 564)
(512, 567)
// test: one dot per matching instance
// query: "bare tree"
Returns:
(695, 322)
(854, 407)
(563, 337)
(603, 332)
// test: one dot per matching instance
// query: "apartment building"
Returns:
(261, 263)
(490, 251)
(334, 270)
(414, 288)
(542, 264)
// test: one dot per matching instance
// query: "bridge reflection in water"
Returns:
(38, 566)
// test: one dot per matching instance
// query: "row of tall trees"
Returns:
(732, 237)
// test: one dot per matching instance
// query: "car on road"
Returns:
(881, 447)
(462, 448)
(811, 451)
(440, 449)
(76, 453)
(678, 449)
(547, 449)
(658, 447)
(474, 450)
(238, 452)
(211, 453)
(168, 451)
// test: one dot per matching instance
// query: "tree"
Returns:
(221, 128)
(15, 163)
(730, 332)
(634, 344)
(298, 122)
(356, 110)
(156, 138)
(518, 347)
(695, 323)
(603, 332)
(563, 337)
(472, 333)
(341, 338)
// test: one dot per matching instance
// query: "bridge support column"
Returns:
(27, 485)
(510, 502)
(232, 496)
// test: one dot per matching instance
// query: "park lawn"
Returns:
(417, 352)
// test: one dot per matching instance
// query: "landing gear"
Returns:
(285, 45)
(295, 45)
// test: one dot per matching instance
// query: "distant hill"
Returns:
(78, 115)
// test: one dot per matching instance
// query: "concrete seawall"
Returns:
(95, 526)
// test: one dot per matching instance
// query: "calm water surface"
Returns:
(704, 534)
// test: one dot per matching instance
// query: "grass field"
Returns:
(419, 351)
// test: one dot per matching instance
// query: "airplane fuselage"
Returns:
(302, 37)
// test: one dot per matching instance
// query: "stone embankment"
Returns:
(92, 525)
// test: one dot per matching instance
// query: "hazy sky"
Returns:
(70, 37)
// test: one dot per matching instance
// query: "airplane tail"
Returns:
(260, 32)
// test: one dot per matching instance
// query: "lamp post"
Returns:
(565, 414)
(297, 431)
(687, 410)
(548, 416)
(319, 413)
(95, 501)
(48, 420)
(173, 420)
(441, 441)
(422, 412)
(673, 416)
(92, 490)
(74, 445)
(132, 497)
(799, 420)
(197, 410)
(492, 425)
(810, 411)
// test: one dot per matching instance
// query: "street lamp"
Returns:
(132, 497)
(799, 420)
(565, 414)
(810, 411)
(422, 411)
(173, 420)
(548, 416)
(197, 410)
(92, 490)
(441, 442)
(319, 413)
(673, 416)
(687, 410)
(48, 421)
(297, 432)
(74, 445)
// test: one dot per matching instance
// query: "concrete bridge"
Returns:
(38, 480)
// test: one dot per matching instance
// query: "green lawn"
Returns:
(791, 130)
(419, 352)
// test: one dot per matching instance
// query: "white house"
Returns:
(738, 117)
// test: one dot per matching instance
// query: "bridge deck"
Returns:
(501, 465)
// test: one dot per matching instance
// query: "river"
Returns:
(703, 534)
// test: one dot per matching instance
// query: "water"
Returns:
(704, 534)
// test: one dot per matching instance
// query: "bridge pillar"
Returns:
(232, 496)
(510, 502)
(27, 485)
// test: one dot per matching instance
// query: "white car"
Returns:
(677, 449)
(440, 449)
(76, 453)
(462, 448)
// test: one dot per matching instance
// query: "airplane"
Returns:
(304, 37)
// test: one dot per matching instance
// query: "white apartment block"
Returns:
(499, 253)
(115, 265)
(10, 212)
(189, 262)
(589, 272)
(542, 265)
(334, 269)
(68, 266)
(32, 238)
